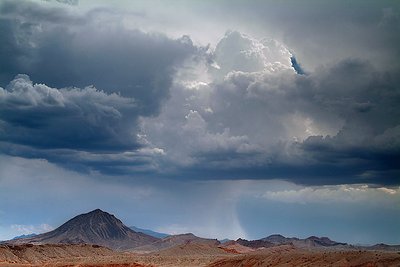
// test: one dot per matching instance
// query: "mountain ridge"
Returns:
(277, 239)
(176, 240)
(95, 227)
(101, 228)
(149, 232)
(24, 236)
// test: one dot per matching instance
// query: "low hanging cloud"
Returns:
(69, 118)
(79, 128)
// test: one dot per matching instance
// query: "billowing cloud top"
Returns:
(84, 119)
(89, 91)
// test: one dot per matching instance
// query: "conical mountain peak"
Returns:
(95, 227)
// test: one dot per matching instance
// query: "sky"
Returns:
(226, 119)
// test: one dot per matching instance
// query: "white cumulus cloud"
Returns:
(337, 193)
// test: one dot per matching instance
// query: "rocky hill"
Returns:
(96, 227)
(176, 240)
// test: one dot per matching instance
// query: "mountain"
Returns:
(312, 241)
(323, 241)
(260, 243)
(381, 246)
(176, 240)
(279, 239)
(149, 232)
(96, 227)
(24, 236)
(274, 240)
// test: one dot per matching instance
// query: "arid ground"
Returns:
(191, 255)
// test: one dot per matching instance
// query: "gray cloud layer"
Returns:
(62, 48)
(80, 128)
(162, 106)
(86, 119)
(338, 124)
(65, 119)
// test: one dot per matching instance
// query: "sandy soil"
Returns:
(190, 255)
(62, 256)
(234, 247)
(287, 255)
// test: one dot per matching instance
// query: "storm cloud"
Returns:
(99, 94)
(338, 124)
(91, 81)
(62, 48)
(74, 118)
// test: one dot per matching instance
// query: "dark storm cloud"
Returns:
(255, 117)
(366, 100)
(112, 163)
(338, 124)
(85, 119)
(91, 77)
(60, 48)
(81, 129)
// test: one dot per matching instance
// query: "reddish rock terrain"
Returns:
(289, 255)
(190, 254)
